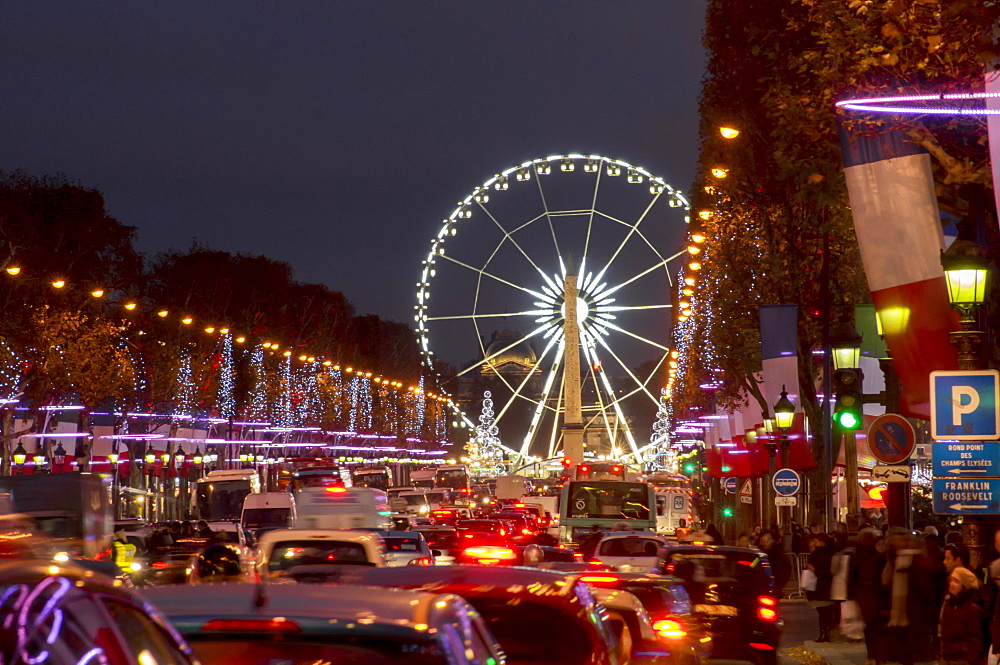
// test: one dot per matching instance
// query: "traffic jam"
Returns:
(603, 569)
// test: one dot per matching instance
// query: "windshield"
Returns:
(609, 500)
(535, 633)
(271, 648)
(453, 478)
(729, 573)
(630, 547)
(222, 499)
(264, 518)
(376, 479)
(291, 553)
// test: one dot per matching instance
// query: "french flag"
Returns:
(899, 233)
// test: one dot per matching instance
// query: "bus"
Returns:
(453, 476)
(291, 466)
(674, 502)
(376, 477)
(605, 504)
(423, 478)
(221, 493)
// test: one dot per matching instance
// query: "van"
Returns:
(266, 511)
(341, 508)
(512, 487)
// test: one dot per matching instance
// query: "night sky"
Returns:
(337, 135)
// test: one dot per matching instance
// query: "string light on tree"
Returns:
(227, 379)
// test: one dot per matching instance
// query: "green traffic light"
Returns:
(689, 468)
(847, 420)
(727, 512)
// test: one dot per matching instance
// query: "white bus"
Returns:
(220, 494)
(341, 508)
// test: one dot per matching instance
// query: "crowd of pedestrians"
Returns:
(914, 595)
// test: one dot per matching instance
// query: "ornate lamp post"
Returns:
(784, 413)
(966, 271)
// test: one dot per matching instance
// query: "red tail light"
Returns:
(159, 564)
(275, 625)
(767, 601)
(336, 490)
(422, 561)
(669, 567)
(762, 646)
(526, 532)
(578, 556)
(599, 578)
(490, 554)
(669, 628)
(767, 614)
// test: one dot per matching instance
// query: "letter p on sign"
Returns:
(964, 400)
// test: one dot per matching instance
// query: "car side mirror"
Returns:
(651, 652)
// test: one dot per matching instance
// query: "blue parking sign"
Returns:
(964, 405)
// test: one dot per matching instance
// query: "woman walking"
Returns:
(820, 556)
(963, 621)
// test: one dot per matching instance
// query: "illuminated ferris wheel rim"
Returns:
(594, 300)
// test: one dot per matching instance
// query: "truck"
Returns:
(423, 478)
(220, 494)
(72, 509)
(268, 510)
(341, 508)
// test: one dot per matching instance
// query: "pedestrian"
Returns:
(781, 567)
(818, 562)
(716, 535)
(205, 531)
(962, 626)
(589, 543)
(864, 586)
(743, 540)
(912, 614)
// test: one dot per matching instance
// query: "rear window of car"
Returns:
(630, 547)
(402, 544)
(292, 553)
(535, 633)
(661, 598)
(745, 571)
(480, 525)
(438, 539)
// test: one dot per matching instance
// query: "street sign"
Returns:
(729, 484)
(966, 459)
(786, 482)
(747, 489)
(967, 496)
(746, 499)
(891, 439)
(892, 474)
(964, 405)
(786, 500)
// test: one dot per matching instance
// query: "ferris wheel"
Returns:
(491, 292)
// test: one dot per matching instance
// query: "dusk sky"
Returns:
(334, 135)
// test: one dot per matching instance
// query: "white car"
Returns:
(406, 548)
(291, 552)
(630, 551)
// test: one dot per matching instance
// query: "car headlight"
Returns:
(61, 557)
(135, 566)
(424, 509)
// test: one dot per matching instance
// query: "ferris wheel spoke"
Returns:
(546, 391)
(631, 334)
(533, 333)
(628, 371)
(590, 219)
(484, 273)
(633, 229)
(532, 312)
(509, 237)
(593, 362)
(554, 435)
(616, 403)
(527, 377)
(548, 217)
(655, 266)
(632, 308)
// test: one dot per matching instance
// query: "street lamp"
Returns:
(59, 454)
(20, 454)
(179, 455)
(197, 458)
(966, 270)
(845, 344)
(784, 413)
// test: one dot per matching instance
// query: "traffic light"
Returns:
(565, 461)
(689, 467)
(727, 511)
(847, 406)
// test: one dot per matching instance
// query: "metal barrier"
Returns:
(794, 587)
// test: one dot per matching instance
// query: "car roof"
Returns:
(506, 581)
(339, 535)
(399, 534)
(32, 572)
(324, 602)
(618, 599)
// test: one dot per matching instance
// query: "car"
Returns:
(442, 540)
(537, 616)
(628, 619)
(449, 515)
(171, 563)
(477, 531)
(263, 624)
(311, 554)
(56, 614)
(630, 551)
(406, 548)
(732, 590)
(666, 602)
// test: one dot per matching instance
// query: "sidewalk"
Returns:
(829, 653)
